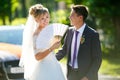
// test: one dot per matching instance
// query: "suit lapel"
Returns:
(71, 35)
(71, 32)
(83, 36)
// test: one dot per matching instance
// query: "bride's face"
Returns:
(43, 20)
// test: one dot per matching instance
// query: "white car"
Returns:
(10, 52)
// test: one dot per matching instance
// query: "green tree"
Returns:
(24, 10)
(108, 18)
(104, 14)
(5, 10)
(7, 7)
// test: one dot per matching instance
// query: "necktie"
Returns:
(75, 49)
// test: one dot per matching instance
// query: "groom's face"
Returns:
(74, 18)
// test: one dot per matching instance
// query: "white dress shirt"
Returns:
(80, 30)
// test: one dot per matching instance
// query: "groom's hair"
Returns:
(81, 10)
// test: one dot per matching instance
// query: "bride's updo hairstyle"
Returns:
(37, 10)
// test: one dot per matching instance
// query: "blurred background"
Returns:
(104, 17)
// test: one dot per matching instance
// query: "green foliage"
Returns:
(15, 4)
(107, 14)
(4, 7)
(19, 21)
(50, 4)
(7, 7)
(60, 16)
(0, 22)
(68, 2)
(6, 20)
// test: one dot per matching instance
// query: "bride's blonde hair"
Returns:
(37, 10)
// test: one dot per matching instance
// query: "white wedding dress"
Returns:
(48, 68)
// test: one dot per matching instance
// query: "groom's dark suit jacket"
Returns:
(89, 54)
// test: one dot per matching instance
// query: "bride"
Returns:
(38, 58)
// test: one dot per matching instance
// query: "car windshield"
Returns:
(11, 35)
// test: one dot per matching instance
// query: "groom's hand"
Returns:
(84, 78)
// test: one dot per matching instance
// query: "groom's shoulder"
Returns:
(90, 29)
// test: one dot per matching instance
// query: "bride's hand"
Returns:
(55, 45)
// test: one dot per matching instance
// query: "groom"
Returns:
(82, 45)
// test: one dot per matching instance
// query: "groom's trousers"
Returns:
(74, 74)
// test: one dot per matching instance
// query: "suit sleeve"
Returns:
(62, 52)
(96, 56)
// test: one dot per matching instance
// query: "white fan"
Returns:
(59, 29)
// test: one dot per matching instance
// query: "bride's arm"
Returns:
(42, 54)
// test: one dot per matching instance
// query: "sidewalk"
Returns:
(101, 77)
(107, 77)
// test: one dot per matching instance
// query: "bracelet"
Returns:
(49, 49)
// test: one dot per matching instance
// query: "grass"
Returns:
(110, 66)
(17, 21)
